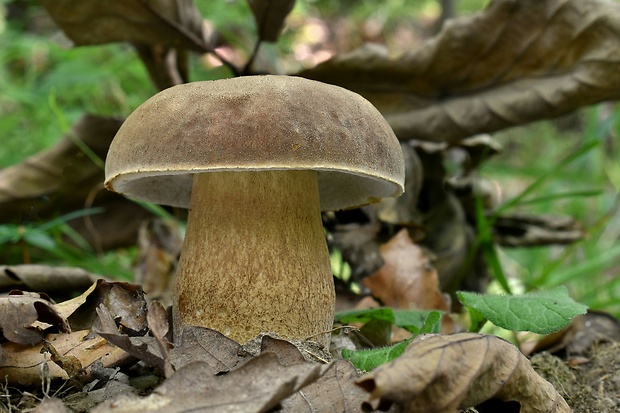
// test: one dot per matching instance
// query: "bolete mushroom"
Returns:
(256, 159)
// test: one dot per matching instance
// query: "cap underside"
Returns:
(174, 188)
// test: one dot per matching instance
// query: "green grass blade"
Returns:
(544, 177)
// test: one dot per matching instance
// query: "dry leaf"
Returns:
(23, 363)
(159, 247)
(33, 277)
(334, 392)
(168, 23)
(124, 301)
(516, 62)
(520, 230)
(407, 280)
(257, 386)
(21, 315)
(209, 346)
(143, 348)
(270, 16)
(157, 318)
(438, 374)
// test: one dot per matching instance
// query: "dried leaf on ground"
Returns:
(159, 247)
(125, 302)
(209, 346)
(438, 374)
(516, 62)
(270, 16)
(334, 392)
(144, 348)
(159, 325)
(520, 230)
(24, 316)
(22, 364)
(407, 279)
(171, 23)
(257, 386)
(32, 277)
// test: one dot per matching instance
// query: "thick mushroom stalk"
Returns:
(255, 257)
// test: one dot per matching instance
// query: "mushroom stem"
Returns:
(255, 258)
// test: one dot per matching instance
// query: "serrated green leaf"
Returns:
(367, 360)
(541, 312)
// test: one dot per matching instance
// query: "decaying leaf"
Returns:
(519, 230)
(172, 23)
(21, 315)
(144, 348)
(23, 363)
(209, 346)
(157, 318)
(335, 392)
(33, 277)
(60, 179)
(516, 62)
(407, 280)
(438, 374)
(257, 386)
(270, 16)
(159, 247)
(124, 301)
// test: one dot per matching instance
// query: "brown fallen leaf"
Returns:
(407, 279)
(515, 62)
(22, 315)
(143, 348)
(257, 386)
(219, 352)
(157, 318)
(125, 302)
(334, 392)
(159, 247)
(173, 23)
(526, 230)
(438, 374)
(34, 277)
(22, 363)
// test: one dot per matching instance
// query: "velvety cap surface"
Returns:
(251, 124)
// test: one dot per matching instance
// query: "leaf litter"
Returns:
(206, 371)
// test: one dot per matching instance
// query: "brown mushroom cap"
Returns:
(252, 124)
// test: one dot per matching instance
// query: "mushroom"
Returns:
(256, 159)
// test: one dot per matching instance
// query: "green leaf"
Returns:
(369, 359)
(413, 320)
(364, 316)
(432, 323)
(541, 312)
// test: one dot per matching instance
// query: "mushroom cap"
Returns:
(256, 123)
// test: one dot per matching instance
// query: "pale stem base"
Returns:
(255, 258)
